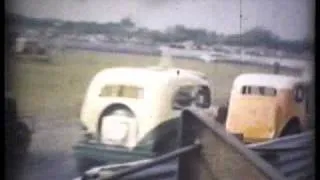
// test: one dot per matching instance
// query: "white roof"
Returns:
(146, 76)
(269, 80)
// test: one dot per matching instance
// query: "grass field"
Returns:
(57, 89)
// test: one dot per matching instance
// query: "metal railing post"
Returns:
(222, 156)
(181, 152)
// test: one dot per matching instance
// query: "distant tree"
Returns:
(254, 37)
(199, 36)
(127, 23)
(177, 33)
(158, 36)
(257, 36)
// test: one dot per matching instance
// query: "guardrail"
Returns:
(222, 155)
(159, 160)
(293, 156)
(207, 151)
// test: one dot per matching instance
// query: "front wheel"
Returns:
(166, 144)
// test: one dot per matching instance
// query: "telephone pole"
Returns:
(241, 30)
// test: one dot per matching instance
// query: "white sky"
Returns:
(290, 19)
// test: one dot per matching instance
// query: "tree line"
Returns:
(127, 28)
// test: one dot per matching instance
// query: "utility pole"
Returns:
(241, 30)
(241, 50)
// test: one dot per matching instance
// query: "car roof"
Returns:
(269, 80)
(148, 75)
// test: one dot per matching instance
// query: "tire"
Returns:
(18, 138)
(166, 144)
(24, 135)
(18, 134)
(291, 129)
(17, 142)
(222, 115)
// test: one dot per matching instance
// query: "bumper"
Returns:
(256, 140)
(249, 140)
(112, 154)
(238, 136)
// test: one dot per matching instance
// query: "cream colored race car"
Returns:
(133, 113)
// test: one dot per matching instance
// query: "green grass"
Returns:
(57, 89)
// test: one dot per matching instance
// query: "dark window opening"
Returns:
(121, 91)
(183, 98)
(203, 97)
(299, 93)
(258, 90)
(200, 96)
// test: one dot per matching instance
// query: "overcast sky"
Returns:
(290, 19)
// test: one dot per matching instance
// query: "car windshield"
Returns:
(122, 91)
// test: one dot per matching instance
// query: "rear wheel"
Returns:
(18, 138)
(292, 128)
(17, 141)
(166, 144)
(222, 114)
